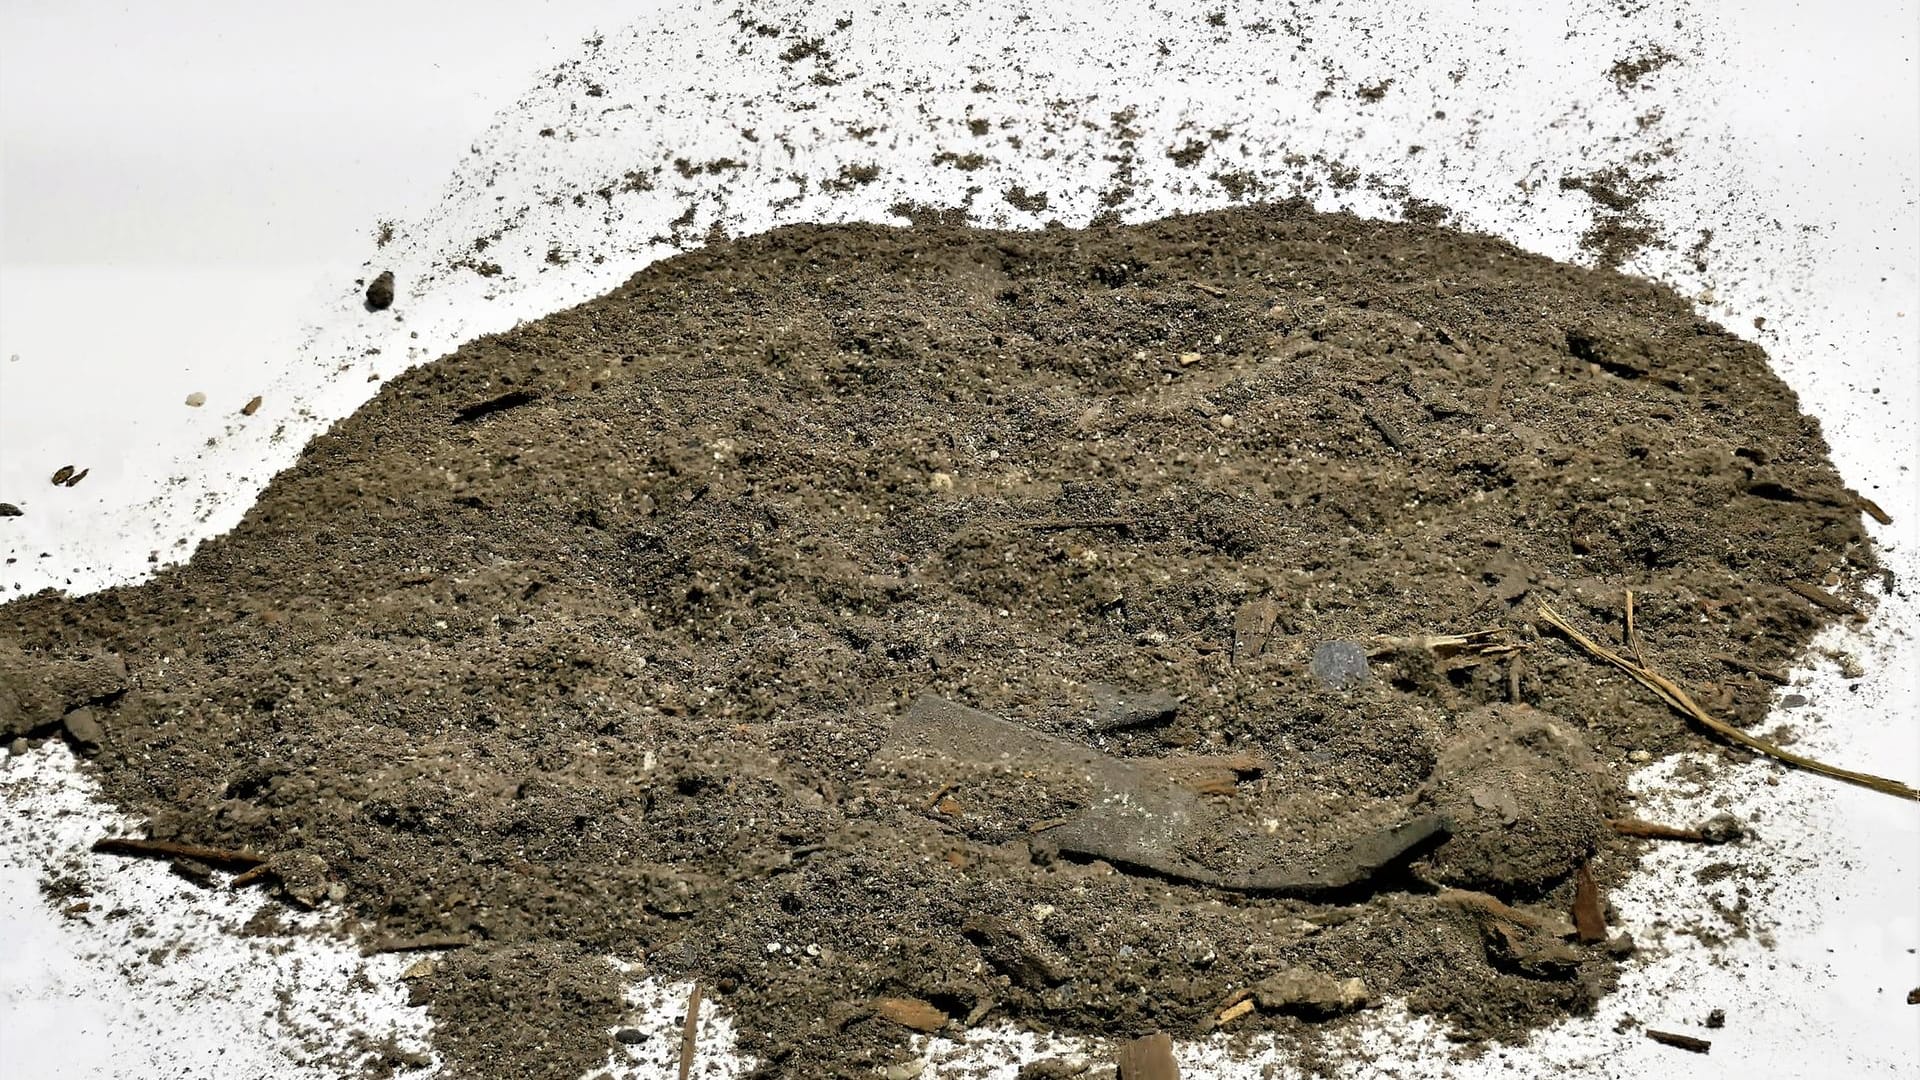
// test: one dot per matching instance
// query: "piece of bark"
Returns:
(1589, 921)
(1138, 814)
(910, 1013)
(1684, 1042)
(1252, 626)
(1149, 1057)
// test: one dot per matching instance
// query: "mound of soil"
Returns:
(899, 628)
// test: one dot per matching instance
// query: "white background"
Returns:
(190, 189)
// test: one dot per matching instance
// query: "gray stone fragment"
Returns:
(1114, 708)
(84, 729)
(1340, 664)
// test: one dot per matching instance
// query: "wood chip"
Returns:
(910, 1013)
(1235, 1011)
(1684, 1042)
(1149, 1057)
(1822, 598)
(1188, 359)
(251, 407)
(1589, 921)
(1873, 510)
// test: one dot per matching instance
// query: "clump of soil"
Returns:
(591, 639)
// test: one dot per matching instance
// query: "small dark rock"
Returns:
(1717, 1018)
(1794, 701)
(1722, 828)
(84, 730)
(1340, 664)
(77, 477)
(629, 1036)
(194, 871)
(380, 293)
(62, 474)
(9, 510)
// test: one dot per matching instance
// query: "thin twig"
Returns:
(1678, 699)
(258, 873)
(1077, 523)
(1650, 830)
(1633, 635)
(167, 849)
(689, 1034)
(1738, 664)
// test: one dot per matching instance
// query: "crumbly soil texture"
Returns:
(931, 627)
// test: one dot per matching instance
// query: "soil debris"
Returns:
(699, 657)
(380, 292)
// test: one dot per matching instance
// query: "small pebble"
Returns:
(9, 510)
(196, 399)
(1340, 664)
(1717, 1018)
(629, 1036)
(251, 407)
(1794, 701)
(1639, 757)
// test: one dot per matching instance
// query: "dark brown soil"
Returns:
(588, 640)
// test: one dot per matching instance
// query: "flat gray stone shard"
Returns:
(1340, 664)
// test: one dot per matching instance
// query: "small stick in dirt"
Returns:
(1633, 635)
(1211, 290)
(257, 874)
(1077, 523)
(1651, 830)
(167, 849)
(420, 944)
(1738, 664)
(1822, 598)
(1490, 905)
(934, 802)
(1149, 1057)
(1514, 668)
(1589, 921)
(1386, 431)
(690, 1032)
(1873, 510)
(1684, 1042)
(1676, 698)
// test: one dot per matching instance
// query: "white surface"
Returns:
(1796, 137)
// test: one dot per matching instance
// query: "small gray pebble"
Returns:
(629, 1036)
(1340, 664)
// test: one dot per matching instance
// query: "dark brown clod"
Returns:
(380, 292)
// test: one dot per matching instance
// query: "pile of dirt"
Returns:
(894, 628)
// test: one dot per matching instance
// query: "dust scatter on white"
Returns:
(727, 119)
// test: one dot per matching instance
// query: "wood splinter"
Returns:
(1652, 830)
(689, 1034)
(1684, 1042)
(167, 849)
